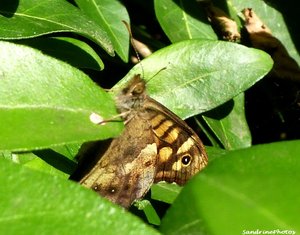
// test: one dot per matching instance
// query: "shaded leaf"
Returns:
(229, 124)
(109, 15)
(183, 20)
(148, 210)
(77, 53)
(268, 14)
(214, 153)
(31, 18)
(40, 165)
(69, 151)
(56, 160)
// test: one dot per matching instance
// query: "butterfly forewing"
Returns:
(156, 145)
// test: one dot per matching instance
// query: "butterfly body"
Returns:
(155, 145)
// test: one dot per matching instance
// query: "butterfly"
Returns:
(156, 145)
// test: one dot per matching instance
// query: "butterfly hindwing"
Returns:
(181, 153)
(156, 145)
(127, 169)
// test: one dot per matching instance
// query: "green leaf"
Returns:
(45, 102)
(41, 165)
(77, 53)
(229, 124)
(194, 76)
(109, 15)
(55, 160)
(214, 153)
(165, 192)
(32, 18)
(69, 151)
(183, 20)
(148, 210)
(248, 189)
(20, 158)
(36, 203)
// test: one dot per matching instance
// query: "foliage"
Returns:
(51, 55)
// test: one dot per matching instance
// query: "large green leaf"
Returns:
(194, 76)
(45, 102)
(109, 14)
(183, 20)
(249, 189)
(31, 18)
(36, 203)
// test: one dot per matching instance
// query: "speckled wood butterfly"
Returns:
(156, 145)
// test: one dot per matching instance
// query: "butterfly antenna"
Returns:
(156, 74)
(133, 45)
(136, 52)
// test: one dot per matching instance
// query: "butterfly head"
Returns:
(135, 87)
(132, 95)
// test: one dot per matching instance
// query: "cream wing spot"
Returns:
(146, 156)
(189, 143)
(165, 154)
(177, 165)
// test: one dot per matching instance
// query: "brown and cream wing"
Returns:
(181, 153)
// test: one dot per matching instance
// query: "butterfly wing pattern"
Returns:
(155, 145)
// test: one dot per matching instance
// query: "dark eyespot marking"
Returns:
(186, 160)
(95, 187)
(111, 190)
